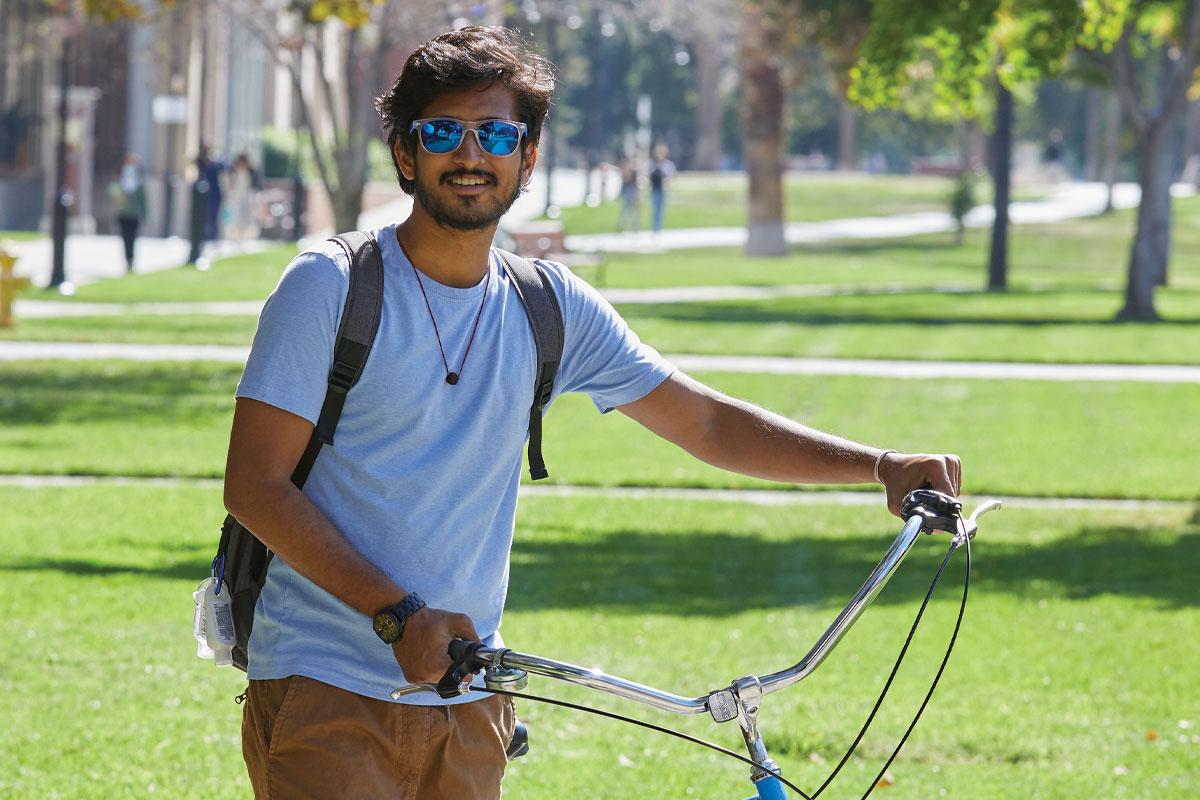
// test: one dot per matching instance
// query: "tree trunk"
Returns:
(762, 118)
(1152, 240)
(1191, 144)
(1112, 145)
(707, 48)
(1001, 180)
(847, 158)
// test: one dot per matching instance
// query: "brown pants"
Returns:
(305, 739)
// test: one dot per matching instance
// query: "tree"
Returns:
(767, 26)
(349, 41)
(1133, 42)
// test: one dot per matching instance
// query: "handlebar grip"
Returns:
(459, 649)
(940, 511)
(462, 653)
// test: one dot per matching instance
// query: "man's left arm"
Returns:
(741, 437)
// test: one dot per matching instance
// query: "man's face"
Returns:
(447, 185)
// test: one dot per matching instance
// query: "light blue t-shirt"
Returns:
(422, 477)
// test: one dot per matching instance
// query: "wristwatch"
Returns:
(389, 623)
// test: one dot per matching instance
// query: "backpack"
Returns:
(242, 560)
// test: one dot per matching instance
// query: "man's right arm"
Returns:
(264, 447)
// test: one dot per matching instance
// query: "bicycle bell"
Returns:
(508, 679)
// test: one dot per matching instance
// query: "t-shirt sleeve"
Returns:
(289, 363)
(602, 356)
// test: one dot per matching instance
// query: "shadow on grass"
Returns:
(715, 575)
(189, 569)
(192, 394)
(728, 311)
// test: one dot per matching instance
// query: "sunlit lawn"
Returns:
(1016, 437)
(698, 200)
(1071, 677)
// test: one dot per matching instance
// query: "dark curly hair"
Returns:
(460, 59)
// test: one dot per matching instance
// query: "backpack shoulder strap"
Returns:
(355, 335)
(546, 320)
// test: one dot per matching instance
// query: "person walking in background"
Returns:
(661, 168)
(241, 201)
(128, 193)
(208, 180)
(631, 201)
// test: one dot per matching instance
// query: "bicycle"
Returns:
(507, 671)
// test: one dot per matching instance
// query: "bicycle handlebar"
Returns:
(924, 510)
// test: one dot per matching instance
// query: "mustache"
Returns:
(469, 173)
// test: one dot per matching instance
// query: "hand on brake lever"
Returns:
(901, 473)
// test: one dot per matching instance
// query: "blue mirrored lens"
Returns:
(441, 135)
(499, 138)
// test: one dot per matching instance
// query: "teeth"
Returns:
(469, 181)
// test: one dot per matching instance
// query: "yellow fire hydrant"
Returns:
(10, 285)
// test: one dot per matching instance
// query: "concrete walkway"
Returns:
(90, 258)
(42, 309)
(760, 497)
(919, 370)
(1068, 201)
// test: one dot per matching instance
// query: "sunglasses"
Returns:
(497, 137)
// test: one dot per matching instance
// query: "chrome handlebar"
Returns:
(721, 703)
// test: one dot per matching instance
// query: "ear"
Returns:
(528, 161)
(407, 168)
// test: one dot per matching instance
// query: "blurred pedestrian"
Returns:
(128, 193)
(661, 168)
(209, 185)
(631, 201)
(241, 201)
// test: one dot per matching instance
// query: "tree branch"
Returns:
(326, 88)
(1124, 81)
(1176, 86)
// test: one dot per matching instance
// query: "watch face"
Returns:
(387, 626)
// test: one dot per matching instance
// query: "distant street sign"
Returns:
(170, 109)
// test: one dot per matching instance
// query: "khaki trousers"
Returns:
(305, 739)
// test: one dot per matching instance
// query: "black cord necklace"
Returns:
(452, 377)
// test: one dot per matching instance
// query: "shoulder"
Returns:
(323, 262)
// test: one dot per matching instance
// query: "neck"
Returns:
(449, 256)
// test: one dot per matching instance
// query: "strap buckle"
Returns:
(341, 377)
(542, 396)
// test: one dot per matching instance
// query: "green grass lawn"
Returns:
(1016, 437)
(1071, 677)
(250, 276)
(1045, 326)
(701, 200)
(22, 236)
(1066, 279)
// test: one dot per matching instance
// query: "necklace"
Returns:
(452, 377)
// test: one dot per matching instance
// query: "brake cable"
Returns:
(954, 544)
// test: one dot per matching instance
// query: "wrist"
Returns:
(879, 459)
(389, 623)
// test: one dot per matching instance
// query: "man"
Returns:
(417, 497)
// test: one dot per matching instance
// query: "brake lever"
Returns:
(968, 528)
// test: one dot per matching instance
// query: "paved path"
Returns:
(761, 497)
(41, 309)
(994, 370)
(1068, 201)
(90, 258)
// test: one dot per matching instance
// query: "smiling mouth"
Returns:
(469, 180)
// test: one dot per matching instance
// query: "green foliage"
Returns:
(954, 48)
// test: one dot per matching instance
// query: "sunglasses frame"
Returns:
(522, 133)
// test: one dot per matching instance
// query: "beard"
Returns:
(469, 213)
